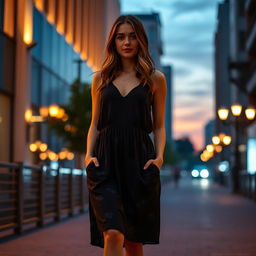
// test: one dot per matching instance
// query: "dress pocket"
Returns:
(150, 175)
(95, 175)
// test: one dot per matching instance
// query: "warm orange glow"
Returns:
(53, 110)
(51, 11)
(28, 22)
(221, 136)
(44, 111)
(33, 147)
(218, 148)
(65, 117)
(70, 22)
(62, 155)
(39, 4)
(43, 147)
(9, 17)
(53, 156)
(28, 115)
(36, 119)
(203, 158)
(236, 109)
(43, 156)
(250, 113)
(210, 148)
(61, 113)
(60, 23)
(70, 156)
(207, 153)
(223, 113)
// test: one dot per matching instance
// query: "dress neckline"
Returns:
(124, 96)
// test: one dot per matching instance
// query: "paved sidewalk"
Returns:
(196, 220)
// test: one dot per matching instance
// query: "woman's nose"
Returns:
(127, 40)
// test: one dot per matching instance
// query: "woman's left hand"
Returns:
(157, 161)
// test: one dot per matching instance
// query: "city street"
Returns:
(197, 219)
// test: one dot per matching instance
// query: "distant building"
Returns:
(167, 70)
(209, 132)
(152, 25)
(222, 49)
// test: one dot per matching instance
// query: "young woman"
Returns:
(122, 163)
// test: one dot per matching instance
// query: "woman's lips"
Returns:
(127, 50)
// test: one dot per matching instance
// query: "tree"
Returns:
(74, 130)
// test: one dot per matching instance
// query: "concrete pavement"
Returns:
(197, 219)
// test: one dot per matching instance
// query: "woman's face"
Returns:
(126, 41)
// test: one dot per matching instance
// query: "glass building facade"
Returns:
(54, 69)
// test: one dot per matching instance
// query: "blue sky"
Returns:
(188, 28)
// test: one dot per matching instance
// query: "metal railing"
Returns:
(31, 194)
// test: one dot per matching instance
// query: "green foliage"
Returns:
(74, 130)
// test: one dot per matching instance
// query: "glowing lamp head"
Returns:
(215, 140)
(236, 109)
(250, 113)
(54, 110)
(28, 115)
(33, 147)
(210, 148)
(223, 113)
(227, 140)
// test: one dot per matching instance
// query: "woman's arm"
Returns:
(158, 111)
(93, 132)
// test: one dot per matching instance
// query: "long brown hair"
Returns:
(112, 64)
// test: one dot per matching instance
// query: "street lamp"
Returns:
(240, 119)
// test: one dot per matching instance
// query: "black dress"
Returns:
(122, 195)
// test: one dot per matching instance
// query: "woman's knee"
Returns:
(113, 235)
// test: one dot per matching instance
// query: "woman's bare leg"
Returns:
(113, 242)
(133, 248)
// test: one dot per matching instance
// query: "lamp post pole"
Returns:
(237, 160)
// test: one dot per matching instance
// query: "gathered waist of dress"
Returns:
(123, 128)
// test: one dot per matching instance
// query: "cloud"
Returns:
(187, 6)
(198, 92)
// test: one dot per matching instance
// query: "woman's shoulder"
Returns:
(157, 76)
(158, 79)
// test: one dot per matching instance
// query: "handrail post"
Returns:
(20, 199)
(58, 195)
(82, 190)
(71, 197)
(41, 197)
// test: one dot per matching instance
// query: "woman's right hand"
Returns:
(90, 159)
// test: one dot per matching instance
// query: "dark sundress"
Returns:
(122, 195)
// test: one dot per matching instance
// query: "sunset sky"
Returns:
(188, 41)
